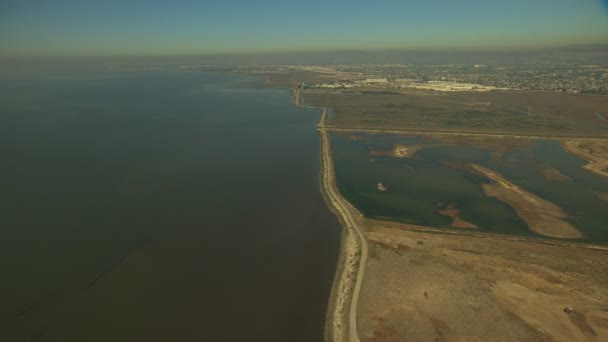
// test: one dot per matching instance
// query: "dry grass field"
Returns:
(504, 112)
(424, 286)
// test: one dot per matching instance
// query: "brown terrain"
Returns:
(432, 286)
(449, 210)
(398, 151)
(424, 284)
(594, 151)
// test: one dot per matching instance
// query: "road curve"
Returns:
(341, 207)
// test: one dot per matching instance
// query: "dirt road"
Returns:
(342, 208)
(355, 251)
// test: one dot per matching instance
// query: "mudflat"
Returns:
(454, 213)
(543, 217)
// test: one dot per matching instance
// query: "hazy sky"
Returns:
(132, 27)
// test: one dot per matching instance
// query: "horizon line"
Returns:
(236, 53)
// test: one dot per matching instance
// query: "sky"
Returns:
(122, 27)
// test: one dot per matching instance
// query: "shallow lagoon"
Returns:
(417, 184)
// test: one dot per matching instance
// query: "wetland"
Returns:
(454, 183)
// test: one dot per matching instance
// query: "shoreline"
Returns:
(595, 164)
(542, 216)
(353, 249)
(341, 316)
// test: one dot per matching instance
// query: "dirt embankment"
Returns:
(543, 217)
(595, 152)
(341, 324)
(341, 321)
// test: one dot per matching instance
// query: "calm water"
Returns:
(160, 206)
(417, 184)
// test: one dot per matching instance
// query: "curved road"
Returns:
(342, 208)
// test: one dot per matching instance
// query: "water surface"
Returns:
(160, 206)
(418, 186)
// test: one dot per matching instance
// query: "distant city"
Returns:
(590, 79)
(568, 78)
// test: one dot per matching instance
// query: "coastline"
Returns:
(341, 319)
(595, 164)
